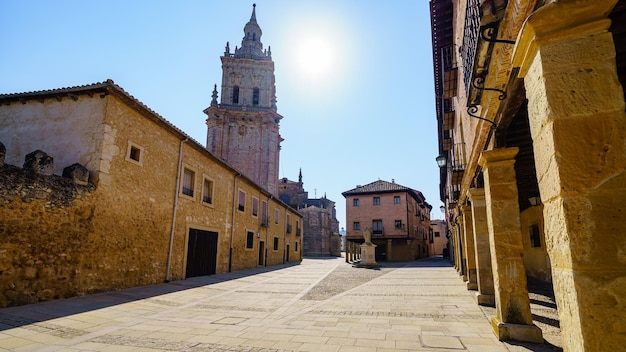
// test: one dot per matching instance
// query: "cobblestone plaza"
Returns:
(318, 305)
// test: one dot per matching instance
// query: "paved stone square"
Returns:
(321, 304)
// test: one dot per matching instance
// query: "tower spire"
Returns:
(253, 17)
(251, 46)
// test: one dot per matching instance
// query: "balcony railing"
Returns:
(470, 40)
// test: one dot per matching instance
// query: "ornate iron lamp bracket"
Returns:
(472, 109)
(479, 82)
(488, 33)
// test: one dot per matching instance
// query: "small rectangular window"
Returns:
(134, 153)
(535, 237)
(250, 239)
(275, 243)
(396, 199)
(189, 179)
(355, 202)
(296, 246)
(398, 224)
(436, 233)
(264, 219)
(356, 226)
(207, 191)
(242, 201)
(255, 206)
(288, 223)
(236, 95)
(255, 96)
(376, 200)
(377, 227)
(275, 216)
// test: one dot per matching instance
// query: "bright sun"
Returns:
(315, 57)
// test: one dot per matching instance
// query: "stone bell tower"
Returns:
(243, 128)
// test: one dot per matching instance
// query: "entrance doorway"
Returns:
(201, 253)
(287, 254)
(261, 253)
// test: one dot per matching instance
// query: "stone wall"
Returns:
(45, 220)
(65, 236)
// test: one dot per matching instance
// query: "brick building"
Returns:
(531, 120)
(398, 217)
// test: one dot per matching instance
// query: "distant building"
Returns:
(397, 216)
(321, 228)
(439, 240)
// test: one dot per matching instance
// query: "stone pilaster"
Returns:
(458, 250)
(484, 275)
(578, 125)
(513, 320)
(469, 249)
(462, 247)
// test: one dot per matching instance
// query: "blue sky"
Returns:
(361, 110)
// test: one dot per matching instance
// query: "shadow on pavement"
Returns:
(14, 317)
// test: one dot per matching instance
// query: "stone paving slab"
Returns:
(318, 305)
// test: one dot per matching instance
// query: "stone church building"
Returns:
(243, 126)
(321, 228)
(140, 202)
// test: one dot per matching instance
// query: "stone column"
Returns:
(459, 250)
(484, 276)
(513, 320)
(578, 125)
(470, 252)
(462, 247)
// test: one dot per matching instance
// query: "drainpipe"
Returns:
(232, 229)
(180, 166)
(285, 238)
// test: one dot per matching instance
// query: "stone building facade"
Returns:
(243, 128)
(397, 216)
(153, 205)
(531, 117)
(321, 228)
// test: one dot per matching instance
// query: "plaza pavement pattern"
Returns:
(321, 304)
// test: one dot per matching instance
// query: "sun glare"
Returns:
(315, 57)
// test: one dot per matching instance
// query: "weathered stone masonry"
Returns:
(44, 220)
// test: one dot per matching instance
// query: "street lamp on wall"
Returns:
(441, 160)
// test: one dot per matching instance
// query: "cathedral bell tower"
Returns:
(243, 128)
